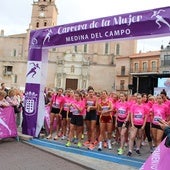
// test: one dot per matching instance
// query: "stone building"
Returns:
(76, 66)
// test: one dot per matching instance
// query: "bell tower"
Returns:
(44, 14)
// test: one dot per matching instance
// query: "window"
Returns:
(45, 24)
(8, 70)
(166, 61)
(122, 70)
(122, 84)
(85, 48)
(117, 49)
(15, 79)
(37, 24)
(75, 48)
(106, 48)
(144, 66)
(72, 69)
(136, 67)
(153, 65)
(14, 52)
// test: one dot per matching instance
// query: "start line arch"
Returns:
(143, 24)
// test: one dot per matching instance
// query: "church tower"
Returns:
(44, 14)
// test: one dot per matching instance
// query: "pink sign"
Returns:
(7, 123)
(159, 160)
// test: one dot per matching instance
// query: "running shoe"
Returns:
(91, 147)
(120, 152)
(109, 145)
(72, 141)
(129, 153)
(63, 137)
(68, 143)
(75, 141)
(49, 137)
(100, 148)
(138, 152)
(126, 144)
(60, 134)
(151, 150)
(79, 145)
(82, 136)
(143, 143)
(87, 143)
(56, 137)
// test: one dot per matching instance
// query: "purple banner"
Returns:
(155, 22)
(32, 90)
(150, 23)
(159, 160)
(7, 123)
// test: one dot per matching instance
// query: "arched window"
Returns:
(144, 66)
(154, 66)
(37, 24)
(45, 23)
(136, 67)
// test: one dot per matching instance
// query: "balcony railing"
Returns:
(165, 63)
(122, 73)
(144, 70)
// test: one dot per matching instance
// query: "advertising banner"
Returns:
(7, 122)
(159, 159)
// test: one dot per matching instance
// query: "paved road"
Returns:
(20, 156)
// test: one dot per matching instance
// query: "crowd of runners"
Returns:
(105, 118)
(131, 119)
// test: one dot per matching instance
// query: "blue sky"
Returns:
(16, 14)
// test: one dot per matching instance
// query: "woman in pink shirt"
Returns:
(77, 107)
(66, 114)
(159, 112)
(122, 120)
(56, 106)
(138, 120)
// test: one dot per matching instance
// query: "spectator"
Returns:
(3, 101)
(4, 88)
(13, 100)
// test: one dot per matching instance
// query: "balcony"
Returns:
(165, 63)
(122, 88)
(145, 70)
(122, 74)
(7, 73)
